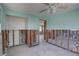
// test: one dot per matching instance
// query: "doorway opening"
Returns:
(42, 30)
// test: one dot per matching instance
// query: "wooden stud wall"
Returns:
(31, 36)
(53, 34)
(28, 38)
(77, 41)
(5, 37)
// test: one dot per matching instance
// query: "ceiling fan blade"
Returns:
(51, 10)
(46, 4)
(53, 4)
(50, 4)
(54, 9)
(43, 10)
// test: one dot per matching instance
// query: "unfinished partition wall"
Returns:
(32, 38)
(5, 38)
(16, 37)
(13, 38)
(17, 30)
(67, 39)
(22, 36)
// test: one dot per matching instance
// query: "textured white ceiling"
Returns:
(35, 8)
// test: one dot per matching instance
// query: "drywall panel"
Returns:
(15, 23)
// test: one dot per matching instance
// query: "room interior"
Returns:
(39, 28)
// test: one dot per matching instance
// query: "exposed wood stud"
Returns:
(61, 37)
(77, 41)
(55, 36)
(13, 38)
(68, 35)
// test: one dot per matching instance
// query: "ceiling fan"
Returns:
(52, 7)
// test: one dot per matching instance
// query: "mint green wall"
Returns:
(32, 21)
(2, 17)
(67, 20)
